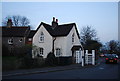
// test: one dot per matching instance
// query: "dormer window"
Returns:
(73, 38)
(41, 37)
(10, 41)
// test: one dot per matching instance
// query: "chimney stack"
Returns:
(9, 23)
(54, 23)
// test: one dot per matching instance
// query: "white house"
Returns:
(63, 40)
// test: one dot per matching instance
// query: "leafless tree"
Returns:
(24, 21)
(87, 33)
(89, 39)
(17, 20)
(113, 46)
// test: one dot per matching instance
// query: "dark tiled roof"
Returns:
(15, 31)
(60, 30)
(31, 34)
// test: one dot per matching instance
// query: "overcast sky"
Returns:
(102, 16)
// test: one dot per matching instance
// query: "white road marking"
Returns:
(101, 68)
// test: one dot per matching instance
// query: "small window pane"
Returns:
(30, 39)
(40, 51)
(58, 52)
(20, 40)
(41, 37)
(73, 38)
(10, 41)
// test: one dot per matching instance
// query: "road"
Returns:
(102, 71)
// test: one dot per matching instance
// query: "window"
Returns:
(40, 51)
(58, 52)
(42, 37)
(20, 40)
(72, 37)
(29, 39)
(10, 41)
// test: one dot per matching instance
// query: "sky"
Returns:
(101, 16)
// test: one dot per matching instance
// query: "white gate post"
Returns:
(32, 54)
(86, 57)
(78, 56)
(93, 57)
(82, 52)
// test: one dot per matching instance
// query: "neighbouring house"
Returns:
(62, 40)
(13, 37)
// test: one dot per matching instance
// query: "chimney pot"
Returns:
(53, 19)
(9, 23)
(56, 20)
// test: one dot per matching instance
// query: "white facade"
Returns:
(46, 45)
(62, 44)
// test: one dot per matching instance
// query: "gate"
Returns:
(88, 58)
(84, 58)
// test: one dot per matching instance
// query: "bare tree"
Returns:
(17, 20)
(113, 46)
(87, 33)
(89, 39)
(24, 21)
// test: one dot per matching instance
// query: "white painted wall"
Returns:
(69, 43)
(63, 42)
(47, 44)
(60, 42)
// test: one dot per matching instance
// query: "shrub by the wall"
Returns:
(50, 60)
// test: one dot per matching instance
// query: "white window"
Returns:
(29, 39)
(10, 41)
(40, 51)
(41, 37)
(73, 38)
(58, 52)
(21, 40)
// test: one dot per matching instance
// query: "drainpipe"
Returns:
(53, 45)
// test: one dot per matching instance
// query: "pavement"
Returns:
(45, 69)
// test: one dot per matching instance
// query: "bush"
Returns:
(5, 51)
(50, 60)
(10, 63)
(64, 60)
(23, 51)
(39, 62)
(27, 61)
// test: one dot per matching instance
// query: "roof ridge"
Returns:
(66, 24)
(45, 23)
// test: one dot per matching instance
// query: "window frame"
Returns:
(41, 38)
(41, 51)
(73, 38)
(10, 41)
(58, 52)
(29, 39)
(21, 40)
